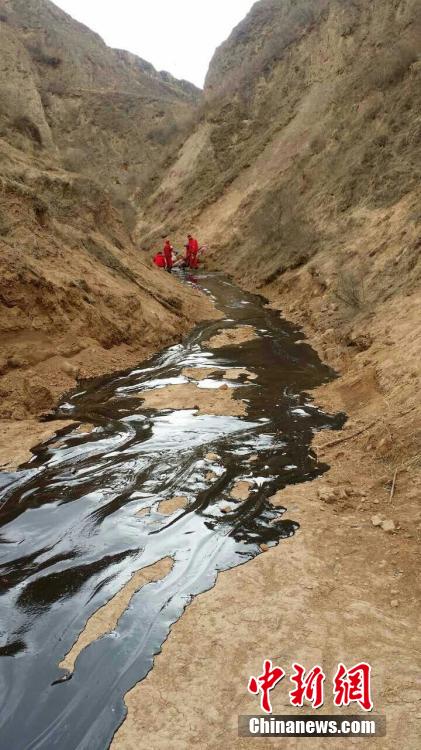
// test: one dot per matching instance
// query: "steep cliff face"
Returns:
(82, 129)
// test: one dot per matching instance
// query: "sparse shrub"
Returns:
(317, 144)
(108, 259)
(389, 66)
(4, 224)
(28, 128)
(121, 202)
(74, 160)
(41, 55)
(373, 106)
(45, 97)
(57, 88)
(350, 289)
(381, 139)
(163, 134)
(40, 210)
(412, 138)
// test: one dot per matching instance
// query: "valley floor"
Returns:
(343, 589)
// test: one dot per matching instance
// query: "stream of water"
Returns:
(71, 536)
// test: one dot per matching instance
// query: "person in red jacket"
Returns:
(168, 255)
(192, 252)
(159, 260)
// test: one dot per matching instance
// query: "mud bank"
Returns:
(38, 369)
(17, 439)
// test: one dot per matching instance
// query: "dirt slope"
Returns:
(80, 135)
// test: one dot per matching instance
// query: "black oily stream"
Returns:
(71, 535)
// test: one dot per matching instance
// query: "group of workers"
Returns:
(168, 258)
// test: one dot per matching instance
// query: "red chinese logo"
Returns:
(309, 687)
(353, 686)
(265, 683)
(349, 686)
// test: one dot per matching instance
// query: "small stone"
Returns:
(394, 603)
(388, 526)
(394, 592)
(377, 521)
(223, 387)
(70, 369)
(264, 548)
(329, 498)
(328, 495)
(226, 509)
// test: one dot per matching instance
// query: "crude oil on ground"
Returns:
(87, 513)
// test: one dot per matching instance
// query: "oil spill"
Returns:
(72, 535)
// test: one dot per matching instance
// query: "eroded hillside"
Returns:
(311, 114)
(303, 174)
(83, 129)
(104, 113)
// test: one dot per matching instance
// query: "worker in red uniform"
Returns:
(159, 260)
(168, 255)
(193, 252)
